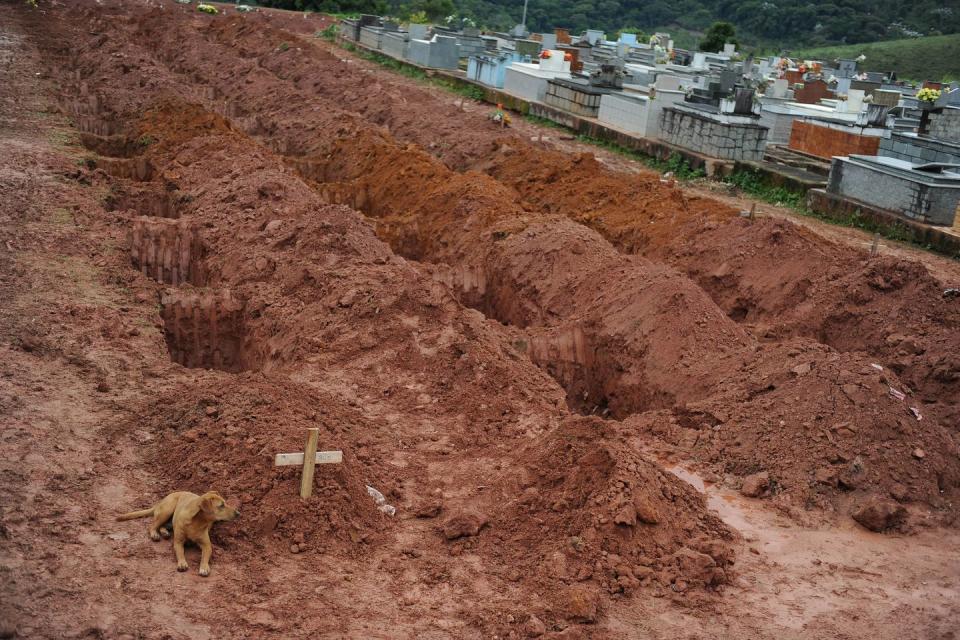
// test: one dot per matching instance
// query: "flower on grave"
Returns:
(544, 54)
(928, 95)
(568, 57)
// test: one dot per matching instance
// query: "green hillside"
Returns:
(758, 22)
(929, 58)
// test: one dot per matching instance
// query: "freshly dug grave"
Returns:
(581, 507)
(774, 280)
(641, 337)
(220, 432)
(785, 281)
(374, 180)
(650, 337)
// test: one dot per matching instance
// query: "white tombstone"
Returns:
(778, 89)
(699, 60)
(729, 49)
(665, 82)
(555, 62)
(855, 100)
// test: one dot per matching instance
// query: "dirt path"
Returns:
(832, 581)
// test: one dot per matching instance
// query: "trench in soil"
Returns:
(203, 327)
(568, 353)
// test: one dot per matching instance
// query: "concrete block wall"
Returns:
(370, 37)
(826, 142)
(524, 85)
(894, 191)
(394, 44)
(624, 113)
(582, 103)
(909, 147)
(945, 125)
(710, 137)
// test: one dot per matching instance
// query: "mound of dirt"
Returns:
(221, 433)
(634, 212)
(582, 506)
(827, 428)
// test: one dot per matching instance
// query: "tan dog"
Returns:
(191, 516)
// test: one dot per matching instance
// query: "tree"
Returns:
(436, 10)
(719, 34)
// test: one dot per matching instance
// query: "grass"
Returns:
(753, 184)
(676, 163)
(929, 58)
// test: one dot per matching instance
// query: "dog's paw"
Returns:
(204, 571)
(182, 566)
(165, 533)
(154, 536)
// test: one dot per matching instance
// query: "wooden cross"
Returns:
(309, 459)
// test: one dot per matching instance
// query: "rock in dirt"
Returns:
(879, 514)
(626, 516)
(826, 475)
(756, 485)
(429, 509)
(463, 524)
(535, 627)
(646, 512)
(581, 603)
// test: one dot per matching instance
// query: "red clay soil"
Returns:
(323, 298)
(606, 360)
(769, 274)
(778, 278)
(259, 272)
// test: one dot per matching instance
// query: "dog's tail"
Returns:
(133, 515)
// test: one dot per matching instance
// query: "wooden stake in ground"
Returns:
(309, 459)
(875, 247)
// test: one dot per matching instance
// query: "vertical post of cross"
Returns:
(309, 462)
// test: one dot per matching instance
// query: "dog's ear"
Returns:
(207, 503)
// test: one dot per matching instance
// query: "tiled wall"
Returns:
(825, 142)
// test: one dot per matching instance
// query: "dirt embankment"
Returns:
(283, 309)
(775, 277)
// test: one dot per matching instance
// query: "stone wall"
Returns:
(912, 148)
(713, 135)
(945, 125)
(826, 142)
(907, 193)
(582, 100)
(626, 113)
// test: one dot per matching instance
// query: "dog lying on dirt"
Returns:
(191, 517)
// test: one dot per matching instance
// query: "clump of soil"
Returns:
(582, 506)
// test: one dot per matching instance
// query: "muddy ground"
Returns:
(603, 405)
